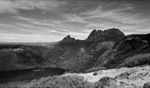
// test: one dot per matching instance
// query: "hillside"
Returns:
(132, 50)
(18, 56)
(79, 55)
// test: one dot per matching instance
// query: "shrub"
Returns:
(137, 60)
(68, 82)
(60, 82)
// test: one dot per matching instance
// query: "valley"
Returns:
(104, 56)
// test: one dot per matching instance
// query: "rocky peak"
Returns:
(112, 34)
(68, 38)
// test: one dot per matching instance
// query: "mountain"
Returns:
(132, 50)
(79, 55)
(106, 35)
(68, 39)
(69, 53)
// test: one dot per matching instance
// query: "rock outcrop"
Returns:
(146, 85)
(106, 35)
(68, 39)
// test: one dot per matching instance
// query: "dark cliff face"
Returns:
(132, 50)
(133, 42)
(106, 35)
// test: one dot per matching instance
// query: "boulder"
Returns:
(146, 85)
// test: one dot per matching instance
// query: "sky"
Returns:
(51, 20)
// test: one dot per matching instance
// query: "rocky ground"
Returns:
(134, 77)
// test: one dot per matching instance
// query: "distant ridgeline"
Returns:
(97, 36)
(100, 50)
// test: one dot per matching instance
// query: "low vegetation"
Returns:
(16, 57)
(59, 82)
(135, 77)
(137, 60)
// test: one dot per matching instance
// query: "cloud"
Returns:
(27, 26)
(123, 16)
(13, 6)
(41, 4)
(41, 24)
(7, 6)
(101, 26)
(74, 18)
(58, 25)
(123, 13)
(10, 28)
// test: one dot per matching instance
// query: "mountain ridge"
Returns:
(100, 35)
(91, 49)
(107, 49)
(69, 53)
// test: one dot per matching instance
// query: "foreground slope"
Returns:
(135, 77)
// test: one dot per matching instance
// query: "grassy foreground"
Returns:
(59, 82)
(135, 77)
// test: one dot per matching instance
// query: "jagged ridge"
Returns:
(109, 35)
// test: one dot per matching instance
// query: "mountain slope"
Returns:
(79, 55)
(16, 57)
(132, 50)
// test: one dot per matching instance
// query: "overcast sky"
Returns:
(51, 20)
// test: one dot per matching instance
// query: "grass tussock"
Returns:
(137, 60)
